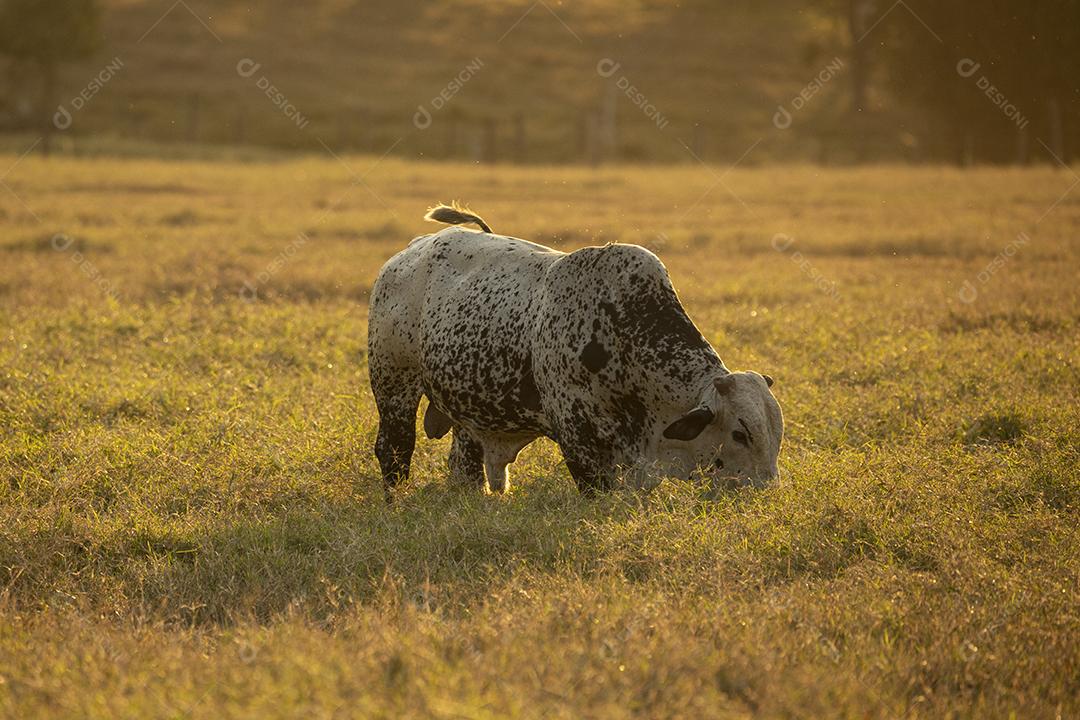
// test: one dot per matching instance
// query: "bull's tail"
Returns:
(455, 214)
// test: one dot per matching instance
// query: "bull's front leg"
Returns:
(498, 476)
(589, 479)
(499, 452)
(589, 464)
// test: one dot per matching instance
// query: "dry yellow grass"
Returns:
(191, 523)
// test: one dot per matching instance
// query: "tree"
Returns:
(999, 72)
(989, 74)
(47, 33)
(858, 18)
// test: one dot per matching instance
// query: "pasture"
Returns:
(192, 523)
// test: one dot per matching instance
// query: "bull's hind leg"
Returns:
(466, 459)
(397, 396)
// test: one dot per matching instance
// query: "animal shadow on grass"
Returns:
(439, 546)
(442, 548)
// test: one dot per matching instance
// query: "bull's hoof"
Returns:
(496, 488)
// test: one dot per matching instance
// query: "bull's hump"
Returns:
(637, 309)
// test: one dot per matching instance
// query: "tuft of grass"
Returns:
(998, 428)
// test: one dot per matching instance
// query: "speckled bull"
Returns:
(510, 341)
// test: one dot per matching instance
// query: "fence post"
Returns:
(1022, 146)
(193, 116)
(365, 118)
(1057, 141)
(608, 122)
(583, 135)
(240, 130)
(698, 141)
(519, 137)
(490, 151)
(450, 141)
(596, 138)
(343, 129)
(967, 150)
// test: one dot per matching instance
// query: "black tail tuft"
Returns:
(455, 214)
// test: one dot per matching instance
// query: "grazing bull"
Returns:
(511, 341)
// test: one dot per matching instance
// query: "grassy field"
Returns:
(191, 522)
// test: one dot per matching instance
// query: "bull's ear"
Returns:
(768, 380)
(690, 425)
(724, 384)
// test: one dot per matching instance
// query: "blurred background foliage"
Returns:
(863, 80)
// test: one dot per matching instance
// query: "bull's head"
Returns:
(734, 433)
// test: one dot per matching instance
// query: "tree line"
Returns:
(998, 80)
(995, 81)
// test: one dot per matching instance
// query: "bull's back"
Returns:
(471, 327)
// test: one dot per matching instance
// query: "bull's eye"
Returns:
(740, 437)
(718, 463)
